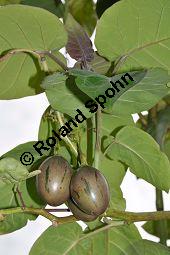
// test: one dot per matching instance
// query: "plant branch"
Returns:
(143, 120)
(38, 54)
(55, 59)
(127, 217)
(57, 210)
(36, 211)
(20, 197)
(98, 138)
(161, 225)
(131, 217)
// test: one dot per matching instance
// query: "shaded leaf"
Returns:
(151, 228)
(54, 6)
(102, 5)
(138, 34)
(33, 29)
(70, 240)
(84, 13)
(79, 45)
(142, 154)
(64, 96)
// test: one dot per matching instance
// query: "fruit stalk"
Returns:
(98, 139)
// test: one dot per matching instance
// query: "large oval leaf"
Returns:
(69, 239)
(142, 154)
(64, 96)
(137, 32)
(29, 28)
(141, 94)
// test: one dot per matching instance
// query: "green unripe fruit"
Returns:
(90, 191)
(54, 180)
(78, 214)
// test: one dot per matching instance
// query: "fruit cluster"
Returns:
(86, 192)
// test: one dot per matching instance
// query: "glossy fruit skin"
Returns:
(78, 214)
(90, 191)
(54, 180)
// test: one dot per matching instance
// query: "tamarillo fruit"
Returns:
(54, 180)
(90, 191)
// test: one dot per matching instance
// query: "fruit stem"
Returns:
(66, 139)
(98, 138)
(20, 197)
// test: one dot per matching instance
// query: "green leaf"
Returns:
(6, 2)
(141, 94)
(64, 96)
(84, 13)
(114, 172)
(151, 228)
(142, 154)
(12, 171)
(9, 199)
(70, 240)
(56, 7)
(145, 247)
(27, 147)
(137, 33)
(30, 28)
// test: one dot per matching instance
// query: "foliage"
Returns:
(132, 38)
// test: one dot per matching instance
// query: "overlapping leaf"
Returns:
(29, 28)
(145, 91)
(102, 5)
(54, 6)
(142, 154)
(70, 240)
(64, 95)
